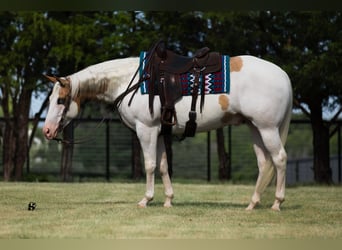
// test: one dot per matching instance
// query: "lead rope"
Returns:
(84, 139)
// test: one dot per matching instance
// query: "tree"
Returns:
(21, 46)
(312, 56)
(33, 43)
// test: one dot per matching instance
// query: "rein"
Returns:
(136, 86)
(82, 140)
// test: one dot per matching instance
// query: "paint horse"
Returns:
(260, 96)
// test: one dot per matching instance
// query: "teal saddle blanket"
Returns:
(215, 83)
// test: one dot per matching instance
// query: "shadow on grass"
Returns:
(223, 205)
(201, 204)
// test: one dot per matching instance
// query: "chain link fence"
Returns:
(104, 151)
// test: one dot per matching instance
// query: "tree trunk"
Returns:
(15, 146)
(137, 172)
(224, 166)
(8, 150)
(321, 164)
(21, 132)
(21, 149)
(67, 153)
(8, 145)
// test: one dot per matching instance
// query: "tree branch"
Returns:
(336, 115)
(298, 105)
(36, 118)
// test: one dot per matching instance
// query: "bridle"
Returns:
(66, 101)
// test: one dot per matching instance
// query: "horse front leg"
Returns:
(148, 140)
(162, 160)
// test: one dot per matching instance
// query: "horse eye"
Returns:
(61, 101)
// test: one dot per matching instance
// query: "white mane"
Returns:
(104, 80)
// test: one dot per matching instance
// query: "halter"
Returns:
(66, 101)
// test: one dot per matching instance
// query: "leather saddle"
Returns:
(164, 67)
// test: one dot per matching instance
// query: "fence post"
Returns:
(28, 160)
(229, 152)
(67, 153)
(339, 152)
(107, 150)
(208, 157)
(297, 170)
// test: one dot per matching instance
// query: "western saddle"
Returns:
(163, 69)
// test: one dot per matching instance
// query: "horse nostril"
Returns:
(46, 131)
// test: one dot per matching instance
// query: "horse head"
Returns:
(62, 108)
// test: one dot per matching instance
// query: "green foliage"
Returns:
(307, 44)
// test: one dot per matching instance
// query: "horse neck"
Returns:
(97, 85)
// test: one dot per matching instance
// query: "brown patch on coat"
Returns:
(77, 100)
(65, 91)
(224, 102)
(65, 88)
(235, 64)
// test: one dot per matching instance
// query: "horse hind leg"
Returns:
(274, 146)
(265, 165)
(162, 159)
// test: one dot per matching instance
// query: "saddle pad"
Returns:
(215, 83)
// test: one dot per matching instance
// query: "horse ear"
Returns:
(63, 82)
(51, 78)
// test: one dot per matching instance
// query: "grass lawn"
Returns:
(201, 210)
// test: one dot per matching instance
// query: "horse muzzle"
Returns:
(50, 132)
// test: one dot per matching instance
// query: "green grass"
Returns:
(108, 210)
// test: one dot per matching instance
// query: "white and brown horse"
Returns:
(260, 96)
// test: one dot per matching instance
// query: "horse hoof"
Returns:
(140, 205)
(168, 201)
(167, 204)
(251, 206)
(276, 204)
(143, 203)
(276, 207)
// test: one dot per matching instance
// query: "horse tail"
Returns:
(284, 126)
